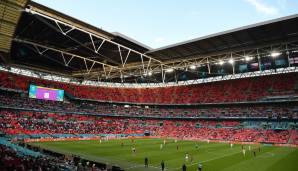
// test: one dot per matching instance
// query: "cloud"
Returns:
(261, 7)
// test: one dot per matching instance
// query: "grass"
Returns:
(213, 156)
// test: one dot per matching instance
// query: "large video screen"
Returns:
(38, 92)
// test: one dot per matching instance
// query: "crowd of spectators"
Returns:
(10, 160)
(239, 90)
(38, 123)
(21, 100)
(14, 122)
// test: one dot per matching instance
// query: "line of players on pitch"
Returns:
(162, 164)
(187, 156)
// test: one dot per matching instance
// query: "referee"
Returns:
(146, 162)
(162, 164)
(183, 167)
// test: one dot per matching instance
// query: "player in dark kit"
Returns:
(146, 162)
(162, 164)
(183, 167)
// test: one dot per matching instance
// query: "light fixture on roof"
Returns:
(275, 54)
(149, 73)
(221, 62)
(231, 61)
(192, 67)
(248, 58)
(169, 70)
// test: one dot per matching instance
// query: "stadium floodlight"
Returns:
(275, 54)
(169, 70)
(221, 62)
(149, 73)
(231, 61)
(247, 58)
(192, 67)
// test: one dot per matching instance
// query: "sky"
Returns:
(159, 23)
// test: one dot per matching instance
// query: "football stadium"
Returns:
(76, 97)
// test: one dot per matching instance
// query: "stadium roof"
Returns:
(47, 40)
(10, 11)
(256, 35)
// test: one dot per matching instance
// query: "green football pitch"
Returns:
(213, 156)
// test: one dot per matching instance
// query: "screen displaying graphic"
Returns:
(38, 92)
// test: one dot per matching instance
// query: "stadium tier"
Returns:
(35, 124)
(10, 160)
(240, 90)
(272, 110)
